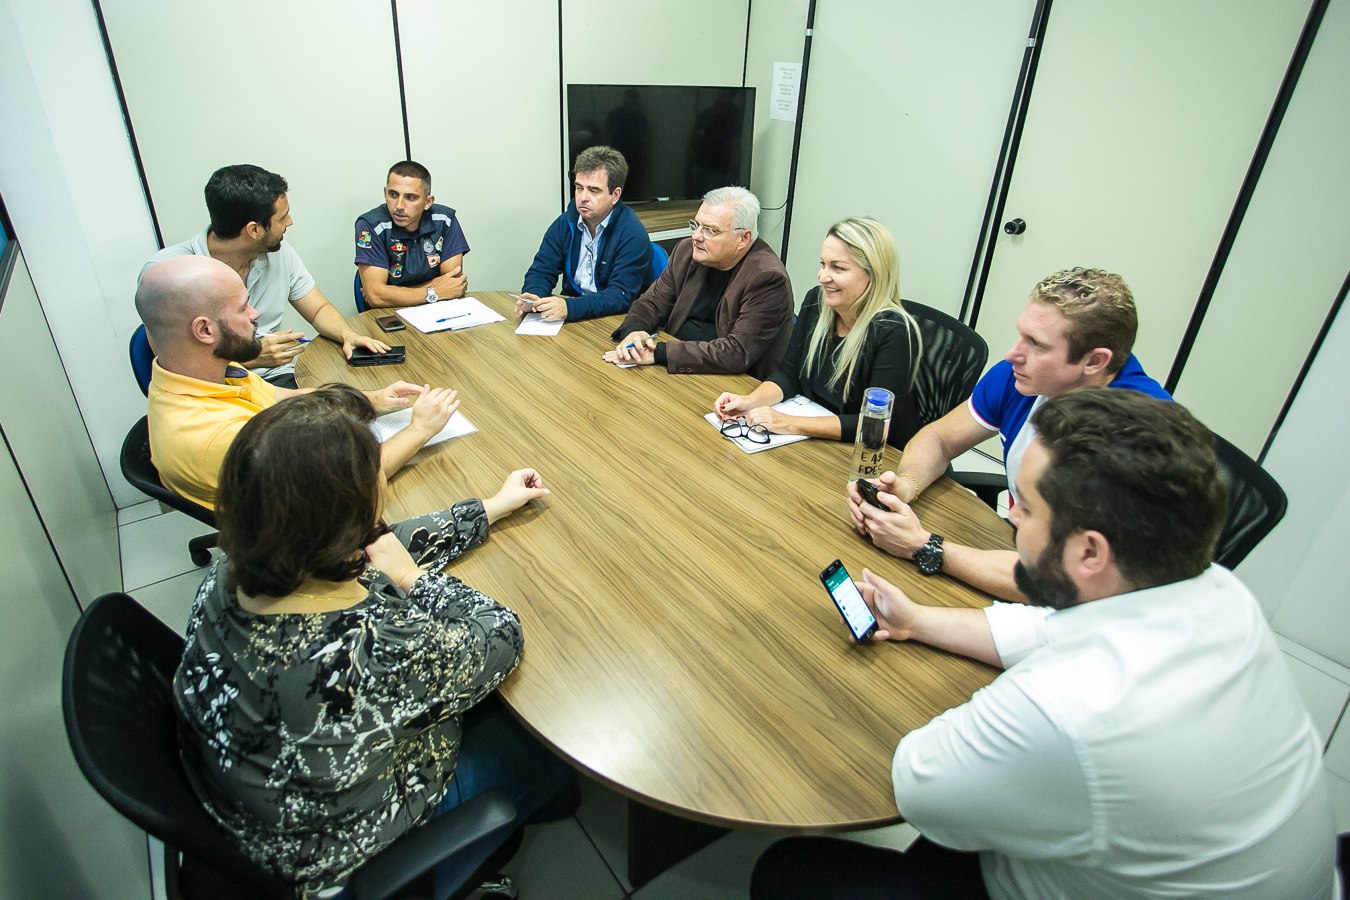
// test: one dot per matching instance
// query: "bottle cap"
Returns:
(878, 400)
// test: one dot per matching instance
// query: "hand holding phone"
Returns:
(849, 601)
(868, 491)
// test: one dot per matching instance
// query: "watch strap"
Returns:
(929, 557)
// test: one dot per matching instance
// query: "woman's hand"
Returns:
(519, 488)
(390, 556)
(731, 406)
(772, 419)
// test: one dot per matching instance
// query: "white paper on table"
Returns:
(793, 406)
(449, 315)
(390, 424)
(535, 323)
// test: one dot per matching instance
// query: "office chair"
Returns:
(117, 698)
(1256, 504)
(140, 471)
(141, 358)
(954, 358)
(660, 259)
(359, 294)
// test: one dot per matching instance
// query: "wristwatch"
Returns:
(432, 297)
(929, 557)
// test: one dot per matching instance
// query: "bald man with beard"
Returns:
(197, 312)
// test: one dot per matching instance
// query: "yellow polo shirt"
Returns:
(193, 423)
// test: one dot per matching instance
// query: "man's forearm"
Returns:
(330, 323)
(957, 630)
(391, 295)
(924, 458)
(990, 571)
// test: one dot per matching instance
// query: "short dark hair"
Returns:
(607, 158)
(299, 492)
(1099, 309)
(410, 169)
(1141, 471)
(237, 195)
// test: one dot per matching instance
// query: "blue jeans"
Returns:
(496, 753)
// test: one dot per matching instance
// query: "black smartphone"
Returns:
(390, 323)
(363, 357)
(849, 600)
(869, 492)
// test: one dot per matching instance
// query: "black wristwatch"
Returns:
(929, 557)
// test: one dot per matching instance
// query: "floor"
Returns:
(582, 857)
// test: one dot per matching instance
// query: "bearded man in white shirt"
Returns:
(1145, 739)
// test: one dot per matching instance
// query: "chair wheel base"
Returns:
(499, 887)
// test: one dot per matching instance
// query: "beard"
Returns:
(235, 347)
(1044, 582)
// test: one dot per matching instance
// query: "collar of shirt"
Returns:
(255, 268)
(240, 382)
(599, 229)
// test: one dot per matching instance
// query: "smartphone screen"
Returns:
(849, 600)
(390, 323)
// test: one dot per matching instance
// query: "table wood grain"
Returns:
(679, 645)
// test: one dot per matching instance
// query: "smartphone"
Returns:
(849, 600)
(869, 492)
(529, 304)
(390, 323)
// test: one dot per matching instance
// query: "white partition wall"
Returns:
(1289, 259)
(777, 34)
(307, 89)
(618, 42)
(905, 109)
(1142, 122)
(483, 117)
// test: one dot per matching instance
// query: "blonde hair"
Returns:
(872, 246)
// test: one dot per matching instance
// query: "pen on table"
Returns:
(456, 316)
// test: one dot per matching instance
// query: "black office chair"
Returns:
(954, 357)
(118, 704)
(140, 471)
(1256, 504)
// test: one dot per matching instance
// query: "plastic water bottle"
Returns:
(874, 422)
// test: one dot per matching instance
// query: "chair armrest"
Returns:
(479, 825)
(985, 485)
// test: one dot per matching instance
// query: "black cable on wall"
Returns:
(402, 90)
(797, 130)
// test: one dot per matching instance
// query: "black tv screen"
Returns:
(680, 141)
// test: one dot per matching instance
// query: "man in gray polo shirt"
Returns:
(249, 217)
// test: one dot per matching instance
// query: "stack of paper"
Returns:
(390, 424)
(535, 323)
(449, 315)
(793, 406)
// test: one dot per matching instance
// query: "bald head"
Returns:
(174, 292)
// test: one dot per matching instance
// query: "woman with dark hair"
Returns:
(329, 662)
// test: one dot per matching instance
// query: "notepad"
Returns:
(449, 315)
(390, 424)
(793, 406)
(535, 323)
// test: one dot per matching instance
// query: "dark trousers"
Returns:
(815, 868)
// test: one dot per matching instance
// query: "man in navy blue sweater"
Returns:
(597, 245)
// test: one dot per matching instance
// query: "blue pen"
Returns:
(653, 336)
(448, 318)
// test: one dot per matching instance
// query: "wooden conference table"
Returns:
(679, 645)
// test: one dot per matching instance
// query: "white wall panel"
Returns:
(1289, 258)
(905, 108)
(483, 117)
(69, 181)
(777, 33)
(307, 89)
(620, 42)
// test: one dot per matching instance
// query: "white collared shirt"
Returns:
(587, 257)
(1150, 744)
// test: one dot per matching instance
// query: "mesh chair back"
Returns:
(117, 698)
(1256, 504)
(141, 472)
(141, 358)
(954, 357)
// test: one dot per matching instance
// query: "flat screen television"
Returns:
(680, 141)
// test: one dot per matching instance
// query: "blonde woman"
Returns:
(852, 333)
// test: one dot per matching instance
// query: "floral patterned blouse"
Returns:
(317, 739)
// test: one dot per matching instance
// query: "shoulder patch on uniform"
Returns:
(363, 239)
